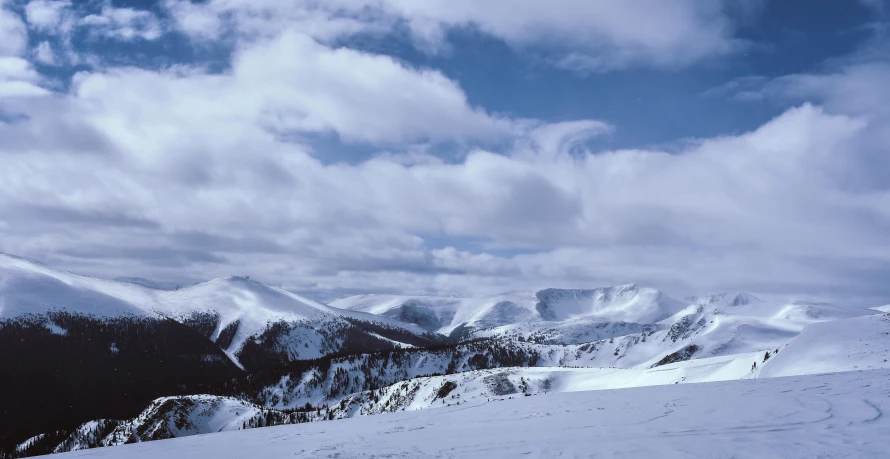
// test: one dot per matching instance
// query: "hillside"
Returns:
(233, 353)
(812, 416)
(626, 303)
(860, 343)
(369, 385)
(233, 312)
(107, 348)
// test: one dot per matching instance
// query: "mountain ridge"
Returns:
(256, 355)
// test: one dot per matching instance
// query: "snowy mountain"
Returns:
(142, 364)
(829, 416)
(368, 384)
(621, 304)
(725, 299)
(107, 348)
(859, 343)
(234, 312)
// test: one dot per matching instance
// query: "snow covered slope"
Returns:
(230, 311)
(107, 348)
(829, 416)
(27, 287)
(493, 384)
(843, 345)
(625, 303)
(395, 356)
(444, 314)
(173, 417)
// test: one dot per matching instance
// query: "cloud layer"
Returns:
(183, 172)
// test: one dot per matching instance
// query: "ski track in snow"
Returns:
(825, 416)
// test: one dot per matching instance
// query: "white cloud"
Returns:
(309, 87)
(18, 79)
(196, 20)
(587, 36)
(264, 19)
(124, 23)
(46, 15)
(857, 88)
(13, 33)
(600, 35)
(294, 85)
(749, 211)
(61, 18)
(561, 139)
(44, 53)
(185, 173)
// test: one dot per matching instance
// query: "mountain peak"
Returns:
(626, 288)
(727, 299)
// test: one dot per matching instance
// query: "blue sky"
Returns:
(451, 147)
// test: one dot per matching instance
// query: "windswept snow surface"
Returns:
(27, 287)
(826, 416)
(860, 343)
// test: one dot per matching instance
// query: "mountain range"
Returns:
(99, 362)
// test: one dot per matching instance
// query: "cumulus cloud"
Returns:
(46, 15)
(595, 36)
(747, 211)
(13, 33)
(856, 88)
(61, 18)
(182, 173)
(586, 36)
(288, 85)
(124, 23)
(44, 53)
(200, 21)
(18, 78)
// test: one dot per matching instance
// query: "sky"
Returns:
(452, 147)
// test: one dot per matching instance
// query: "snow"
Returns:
(194, 415)
(572, 331)
(625, 303)
(397, 344)
(842, 345)
(237, 299)
(27, 443)
(484, 385)
(55, 329)
(726, 299)
(28, 287)
(826, 416)
(625, 337)
(444, 314)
